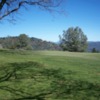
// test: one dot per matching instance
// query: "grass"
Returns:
(49, 75)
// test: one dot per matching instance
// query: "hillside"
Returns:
(92, 45)
(39, 44)
(30, 43)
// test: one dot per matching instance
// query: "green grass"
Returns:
(49, 75)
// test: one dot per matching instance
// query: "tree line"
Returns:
(23, 41)
(72, 39)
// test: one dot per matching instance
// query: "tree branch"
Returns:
(12, 6)
(2, 4)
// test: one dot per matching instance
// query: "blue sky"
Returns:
(48, 26)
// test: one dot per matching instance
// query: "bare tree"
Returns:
(8, 7)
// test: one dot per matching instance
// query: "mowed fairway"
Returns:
(49, 75)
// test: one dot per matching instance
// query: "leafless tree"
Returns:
(8, 7)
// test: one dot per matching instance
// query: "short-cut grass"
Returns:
(49, 75)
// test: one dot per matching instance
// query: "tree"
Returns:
(94, 50)
(7, 7)
(24, 42)
(73, 40)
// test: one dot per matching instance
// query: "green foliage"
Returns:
(20, 42)
(24, 41)
(73, 40)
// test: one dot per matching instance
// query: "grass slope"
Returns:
(49, 75)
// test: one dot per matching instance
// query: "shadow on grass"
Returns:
(34, 81)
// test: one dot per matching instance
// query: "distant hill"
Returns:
(35, 43)
(92, 45)
(39, 44)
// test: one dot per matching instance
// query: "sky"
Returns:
(48, 26)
